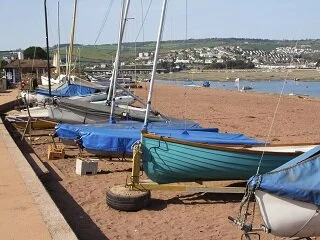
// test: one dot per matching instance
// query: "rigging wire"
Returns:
(143, 21)
(142, 16)
(186, 20)
(106, 16)
(185, 93)
(249, 192)
(275, 113)
(141, 27)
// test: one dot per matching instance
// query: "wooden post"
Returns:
(136, 165)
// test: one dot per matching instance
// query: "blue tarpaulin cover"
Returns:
(71, 131)
(117, 140)
(123, 139)
(69, 90)
(121, 136)
(298, 179)
(211, 137)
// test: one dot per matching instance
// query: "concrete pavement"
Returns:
(26, 209)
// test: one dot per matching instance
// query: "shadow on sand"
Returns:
(195, 199)
(79, 221)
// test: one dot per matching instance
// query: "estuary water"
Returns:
(304, 88)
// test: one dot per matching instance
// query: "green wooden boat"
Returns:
(167, 160)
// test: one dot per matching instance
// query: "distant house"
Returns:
(208, 61)
(15, 69)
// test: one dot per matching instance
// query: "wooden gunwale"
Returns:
(231, 148)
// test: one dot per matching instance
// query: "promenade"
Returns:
(26, 209)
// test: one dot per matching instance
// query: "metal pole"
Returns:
(70, 53)
(117, 60)
(155, 60)
(58, 40)
(123, 15)
(47, 42)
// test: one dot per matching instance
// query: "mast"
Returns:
(123, 16)
(155, 60)
(70, 52)
(66, 60)
(58, 40)
(47, 43)
(124, 13)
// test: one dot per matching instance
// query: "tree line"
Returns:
(231, 64)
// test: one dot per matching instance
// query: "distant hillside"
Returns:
(106, 52)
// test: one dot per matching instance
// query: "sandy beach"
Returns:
(178, 215)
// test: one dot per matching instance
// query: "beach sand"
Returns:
(179, 215)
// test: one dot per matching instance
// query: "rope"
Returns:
(306, 223)
(142, 14)
(144, 19)
(104, 21)
(274, 115)
(185, 107)
(185, 93)
(244, 204)
(249, 192)
(272, 123)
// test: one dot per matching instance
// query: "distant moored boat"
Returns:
(206, 84)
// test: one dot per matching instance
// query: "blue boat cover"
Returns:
(71, 131)
(298, 179)
(69, 90)
(122, 140)
(116, 140)
(123, 135)
(211, 137)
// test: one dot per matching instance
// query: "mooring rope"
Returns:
(275, 113)
(272, 123)
(307, 222)
(248, 192)
(106, 16)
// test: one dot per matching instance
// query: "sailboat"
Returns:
(71, 110)
(289, 196)
(117, 137)
(78, 111)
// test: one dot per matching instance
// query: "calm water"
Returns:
(309, 88)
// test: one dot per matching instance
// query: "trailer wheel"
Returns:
(124, 199)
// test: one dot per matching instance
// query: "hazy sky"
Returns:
(22, 21)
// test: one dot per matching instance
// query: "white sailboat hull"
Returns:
(90, 97)
(35, 112)
(288, 218)
(72, 116)
(33, 98)
(45, 81)
(125, 100)
(28, 97)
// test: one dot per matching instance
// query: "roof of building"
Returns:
(27, 63)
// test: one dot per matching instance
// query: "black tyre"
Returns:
(121, 198)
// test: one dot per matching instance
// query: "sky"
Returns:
(22, 21)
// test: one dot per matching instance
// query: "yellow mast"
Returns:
(70, 52)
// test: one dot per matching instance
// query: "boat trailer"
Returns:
(135, 194)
